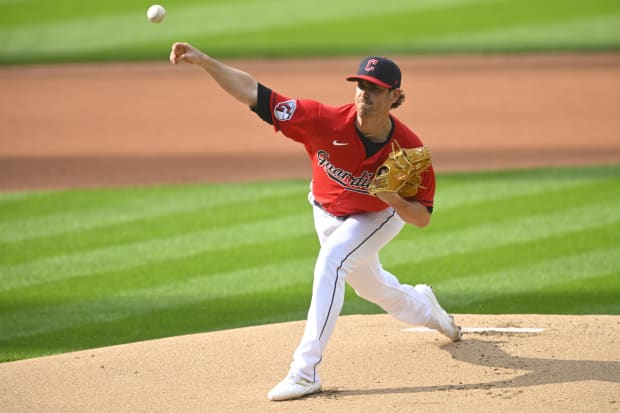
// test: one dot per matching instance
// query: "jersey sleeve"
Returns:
(262, 107)
(297, 119)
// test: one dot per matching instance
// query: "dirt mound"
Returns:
(371, 364)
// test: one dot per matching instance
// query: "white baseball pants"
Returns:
(350, 253)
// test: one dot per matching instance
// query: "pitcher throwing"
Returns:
(355, 212)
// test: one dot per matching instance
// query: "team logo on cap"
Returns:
(284, 110)
(370, 65)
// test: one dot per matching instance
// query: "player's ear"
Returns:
(397, 96)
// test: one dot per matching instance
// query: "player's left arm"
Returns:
(411, 211)
(416, 210)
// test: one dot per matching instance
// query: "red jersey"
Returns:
(341, 170)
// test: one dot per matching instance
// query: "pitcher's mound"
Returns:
(373, 364)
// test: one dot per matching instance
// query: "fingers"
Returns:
(186, 53)
(176, 52)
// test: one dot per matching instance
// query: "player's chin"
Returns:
(364, 109)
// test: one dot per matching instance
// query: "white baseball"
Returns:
(156, 13)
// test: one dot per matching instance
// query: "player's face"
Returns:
(371, 99)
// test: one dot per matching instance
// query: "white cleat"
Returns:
(293, 387)
(440, 321)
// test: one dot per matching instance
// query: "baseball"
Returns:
(156, 13)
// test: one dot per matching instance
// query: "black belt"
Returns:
(340, 217)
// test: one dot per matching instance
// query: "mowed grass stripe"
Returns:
(108, 226)
(480, 189)
(467, 291)
(117, 257)
(481, 20)
(277, 305)
(602, 32)
(205, 286)
(63, 212)
(174, 294)
(591, 295)
(498, 257)
(59, 213)
(496, 210)
(507, 232)
(158, 250)
(95, 30)
(153, 251)
(66, 213)
(146, 228)
(457, 291)
(168, 272)
(105, 225)
(108, 31)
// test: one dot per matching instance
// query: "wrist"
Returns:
(390, 198)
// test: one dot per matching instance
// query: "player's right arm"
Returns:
(237, 83)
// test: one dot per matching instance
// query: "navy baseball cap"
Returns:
(378, 70)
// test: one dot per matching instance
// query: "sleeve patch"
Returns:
(284, 110)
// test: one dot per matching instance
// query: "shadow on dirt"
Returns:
(526, 371)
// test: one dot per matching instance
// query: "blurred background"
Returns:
(69, 30)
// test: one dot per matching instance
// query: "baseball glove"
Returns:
(401, 171)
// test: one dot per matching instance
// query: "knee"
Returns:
(334, 264)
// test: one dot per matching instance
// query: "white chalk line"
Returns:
(530, 330)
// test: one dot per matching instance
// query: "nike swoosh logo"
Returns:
(336, 142)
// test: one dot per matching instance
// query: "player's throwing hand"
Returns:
(184, 52)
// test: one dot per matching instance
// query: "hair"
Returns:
(400, 100)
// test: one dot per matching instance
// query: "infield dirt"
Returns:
(114, 125)
(138, 124)
(371, 365)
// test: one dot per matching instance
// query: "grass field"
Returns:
(88, 268)
(74, 30)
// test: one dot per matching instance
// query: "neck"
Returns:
(375, 130)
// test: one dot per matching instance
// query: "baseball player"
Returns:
(345, 145)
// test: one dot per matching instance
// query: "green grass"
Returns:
(74, 30)
(89, 268)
